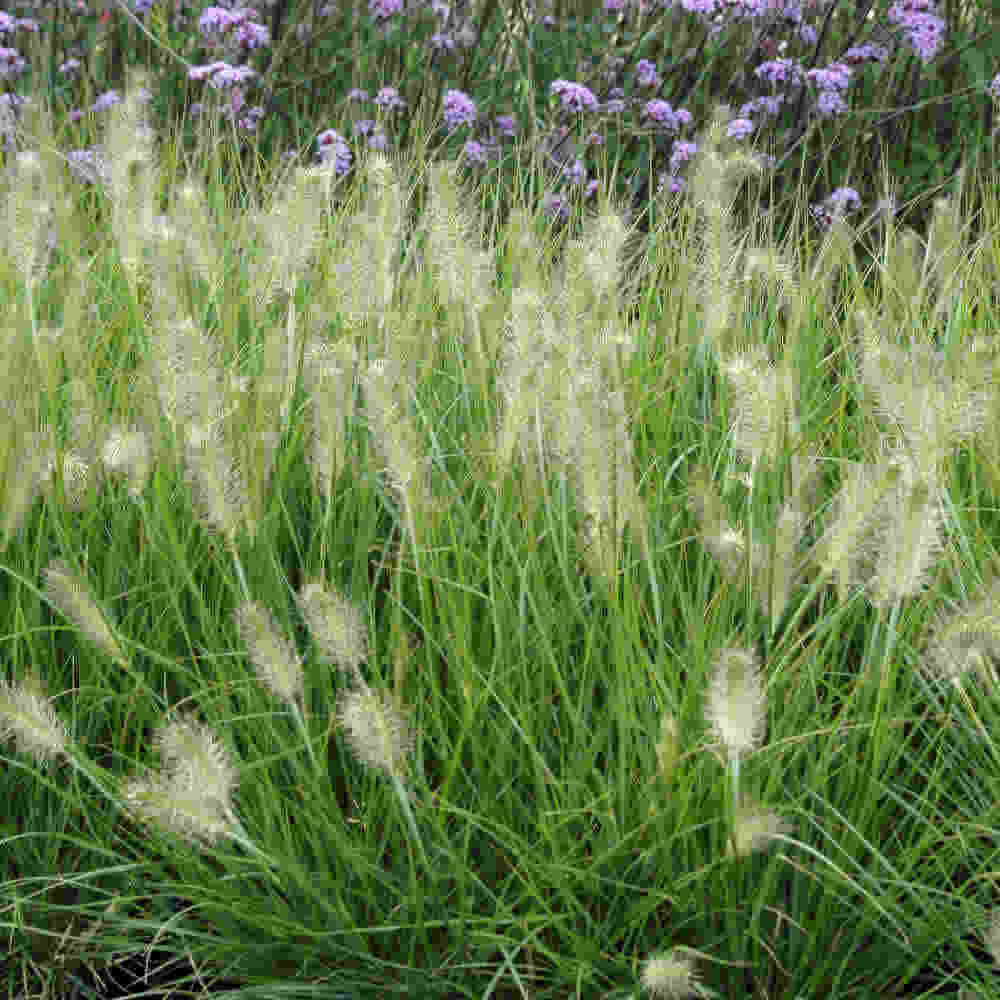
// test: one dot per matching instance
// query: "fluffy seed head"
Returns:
(336, 626)
(967, 639)
(67, 592)
(736, 703)
(754, 829)
(196, 758)
(276, 660)
(377, 730)
(28, 716)
(992, 937)
(176, 808)
(128, 453)
(670, 976)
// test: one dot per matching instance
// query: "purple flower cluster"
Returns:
(574, 96)
(646, 75)
(382, 10)
(333, 149)
(841, 202)
(921, 25)
(665, 116)
(388, 98)
(216, 23)
(459, 109)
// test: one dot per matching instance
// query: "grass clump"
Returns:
(371, 525)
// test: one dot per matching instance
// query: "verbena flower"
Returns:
(459, 109)
(574, 96)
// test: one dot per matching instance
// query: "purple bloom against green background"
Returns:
(478, 153)
(665, 116)
(555, 205)
(994, 88)
(646, 75)
(507, 125)
(372, 132)
(740, 128)
(358, 95)
(214, 22)
(768, 105)
(921, 25)
(231, 76)
(459, 109)
(107, 100)
(381, 10)
(203, 72)
(574, 96)
(840, 202)
(681, 153)
(252, 35)
(88, 165)
(779, 72)
(333, 148)
(575, 172)
(11, 63)
(388, 98)
(836, 76)
(870, 52)
(442, 42)
(830, 102)
(673, 183)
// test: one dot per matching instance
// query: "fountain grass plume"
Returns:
(462, 270)
(671, 976)
(329, 372)
(736, 707)
(717, 171)
(191, 797)
(69, 594)
(277, 662)
(387, 391)
(133, 174)
(966, 640)
(365, 269)
(843, 553)
(27, 716)
(336, 626)
(727, 544)
(380, 735)
(935, 405)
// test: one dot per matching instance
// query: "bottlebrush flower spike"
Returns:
(192, 796)
(28, 716)
(70, 595)
(736, 702)
(336, 626)
(753, 830)
(377, 731)
(670, 976)
(278, 664)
